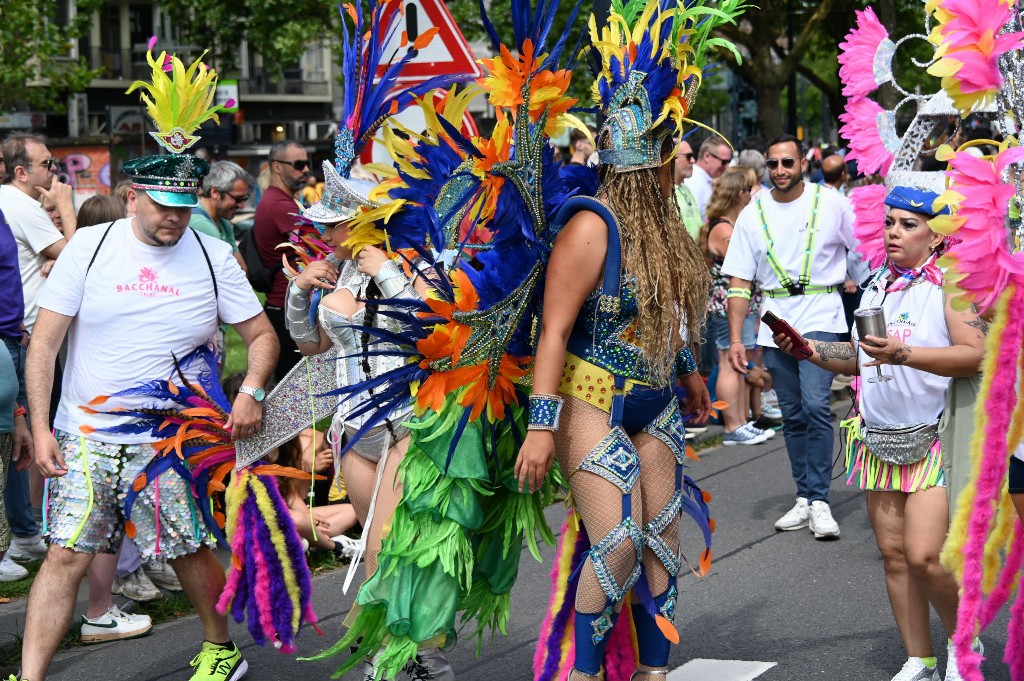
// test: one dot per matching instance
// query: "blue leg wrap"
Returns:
(591, 639)
(652, 644)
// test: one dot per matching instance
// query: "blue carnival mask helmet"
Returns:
(915, 200)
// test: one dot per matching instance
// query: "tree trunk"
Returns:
(769, 111)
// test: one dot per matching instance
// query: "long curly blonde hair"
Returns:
(670, 279)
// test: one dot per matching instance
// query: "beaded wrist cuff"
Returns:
(738, 293)
(685, 364)
(544, 412)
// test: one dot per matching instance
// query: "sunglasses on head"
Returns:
(298, 165)
(787, 163)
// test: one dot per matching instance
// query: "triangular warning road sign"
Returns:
(448, 54)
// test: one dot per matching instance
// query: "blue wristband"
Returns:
(544, 412)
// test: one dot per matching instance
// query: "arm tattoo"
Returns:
(979, 324)
(839, 351)
(901, 355)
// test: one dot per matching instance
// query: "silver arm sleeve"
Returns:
(296, 316)
(393, 283)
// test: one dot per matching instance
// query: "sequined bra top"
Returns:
(606, 325)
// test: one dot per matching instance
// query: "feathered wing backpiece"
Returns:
(269, 583)
(979, 57)
(478, 210)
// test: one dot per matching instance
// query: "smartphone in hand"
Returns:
(801, 350)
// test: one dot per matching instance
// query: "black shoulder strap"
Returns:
(213, 277)
(98, 246)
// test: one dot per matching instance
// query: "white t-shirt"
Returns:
(700, 185)
(138, 306)
(788, 223)
(917, 316)
(34, 232)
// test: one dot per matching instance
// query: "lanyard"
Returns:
(805, 268)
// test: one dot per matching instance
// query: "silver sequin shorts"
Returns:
(85, 510)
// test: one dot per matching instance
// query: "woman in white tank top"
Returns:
(928, 342)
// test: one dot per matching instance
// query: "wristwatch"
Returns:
(257, 394)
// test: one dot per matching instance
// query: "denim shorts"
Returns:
(1016, 484)
(718, 331)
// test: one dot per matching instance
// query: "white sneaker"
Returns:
(137, 587)
(796, 517)
(27, 548)
(770, 410)
(114, 625)
(952, 669)
(696, 430)
(822, 525)
(769, 397)
(345, 546)
(11, 571)
(162, 575)
(915, 670)
(768, 434)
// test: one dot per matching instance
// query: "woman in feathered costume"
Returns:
(623, 278)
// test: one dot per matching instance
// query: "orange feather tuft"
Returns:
(692, 453)
(284, 472)
(711, 524)
(87, 430)
(129, 529)
(423, 39)
(705, 562)
(219, 518)
(140, 482)
(667, 628)
(98, 400)
(236, 562)
(88, 410)
(706, 495)
(171, 388)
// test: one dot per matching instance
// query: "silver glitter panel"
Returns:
(625, 531)
(652, 535)
(882, 65)
(287, 410)
(669, 428)
(615, 459)
(901, 444)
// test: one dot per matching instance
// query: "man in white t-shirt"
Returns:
(713, 157)
(792, 241)
(30, 175)
(131, 297)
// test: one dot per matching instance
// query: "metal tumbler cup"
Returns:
(871, 322)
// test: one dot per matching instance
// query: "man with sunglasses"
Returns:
(685, 199)
(225, 189)
(792, 241)
(30, 176)
(276, 216)
(713, 157)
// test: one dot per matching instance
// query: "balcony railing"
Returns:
(290, 82)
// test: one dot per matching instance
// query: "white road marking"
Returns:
(719, 670)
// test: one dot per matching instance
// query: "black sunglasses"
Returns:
(787, 163)
(237, 199)
(50, 163)
(298, 165)
(691, 157)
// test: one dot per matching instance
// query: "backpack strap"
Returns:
(209, 264)
(98, 246)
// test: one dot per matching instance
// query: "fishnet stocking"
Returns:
(388, 496)
(657, 486)
(582, 427)
(360, 478)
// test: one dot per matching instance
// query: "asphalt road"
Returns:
(817, 609)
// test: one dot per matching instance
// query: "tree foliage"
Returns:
(280, 30)
(35, 68)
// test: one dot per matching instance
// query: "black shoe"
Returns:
(765, 423)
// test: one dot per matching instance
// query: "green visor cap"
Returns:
(169, 179)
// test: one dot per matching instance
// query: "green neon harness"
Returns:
(802, 287)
